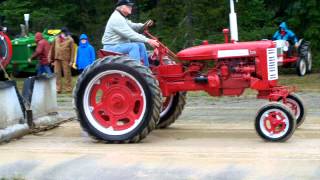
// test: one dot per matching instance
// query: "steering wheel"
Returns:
(148, 24)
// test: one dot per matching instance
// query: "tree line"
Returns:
(179, 23)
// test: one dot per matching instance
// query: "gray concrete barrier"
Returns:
(40, 98)
(12, 112)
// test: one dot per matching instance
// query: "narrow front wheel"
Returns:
(296, 105)
(275, 122)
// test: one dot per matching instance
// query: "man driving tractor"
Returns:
(286, 34)
(121, 35)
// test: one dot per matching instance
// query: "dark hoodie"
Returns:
(42, 50)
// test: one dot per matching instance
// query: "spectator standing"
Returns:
(62, 55)
(86, 53)
(42, 51)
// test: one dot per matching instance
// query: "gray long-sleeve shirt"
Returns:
(121, 30)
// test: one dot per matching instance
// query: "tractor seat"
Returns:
(103, 53)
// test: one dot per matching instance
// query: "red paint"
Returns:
(116, 102)
(226, 35)
(275, 122)
(227, 76)
(210, 52)
(103, 53)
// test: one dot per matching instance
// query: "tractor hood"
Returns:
(228, 50)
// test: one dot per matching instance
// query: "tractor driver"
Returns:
(286, 34)
(121, 35)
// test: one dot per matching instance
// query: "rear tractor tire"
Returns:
(275, 122)
(305, 53)
(117, 100)
(172, 108)
(301, 66)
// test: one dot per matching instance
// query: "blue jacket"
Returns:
(86, 54)
(289, 36)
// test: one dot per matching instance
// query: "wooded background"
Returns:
(180, 23)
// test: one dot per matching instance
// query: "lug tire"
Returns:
(305, 53)
(172, 109)
(5, 50)
(126, 86)
(296, 105)
(266, 122)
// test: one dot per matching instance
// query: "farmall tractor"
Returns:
(118, 100)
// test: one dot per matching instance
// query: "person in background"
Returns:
(41, 53)
(121, 35)
(86, 53)
(62, 56)
(284, 33)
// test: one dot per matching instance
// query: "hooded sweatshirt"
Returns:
(42, 50)
(86, 53)
(287, 35)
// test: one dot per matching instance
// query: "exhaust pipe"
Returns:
(233, 22)
(26, 20)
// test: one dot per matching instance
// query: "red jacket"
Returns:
(42, 50)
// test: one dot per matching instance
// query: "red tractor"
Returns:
(118, 100)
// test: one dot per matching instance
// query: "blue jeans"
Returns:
(135, 50)
(43, 69)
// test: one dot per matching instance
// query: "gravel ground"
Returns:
(213, 139)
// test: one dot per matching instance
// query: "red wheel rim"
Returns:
(274, 122)
(5, 49)
(116, 102)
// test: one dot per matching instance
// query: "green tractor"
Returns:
(23, 48)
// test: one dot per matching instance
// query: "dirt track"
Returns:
(213, 139)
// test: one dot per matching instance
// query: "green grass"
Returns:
(309, 83)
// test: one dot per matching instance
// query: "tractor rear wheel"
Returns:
(117, 100)
(305, 53)
(172, 108)
(275, 122)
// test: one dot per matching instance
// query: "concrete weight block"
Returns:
(12, 116)
(40, 96)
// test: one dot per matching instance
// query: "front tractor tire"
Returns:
(296, 105)
(117, 100)
(275, 122)
(172, 108)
